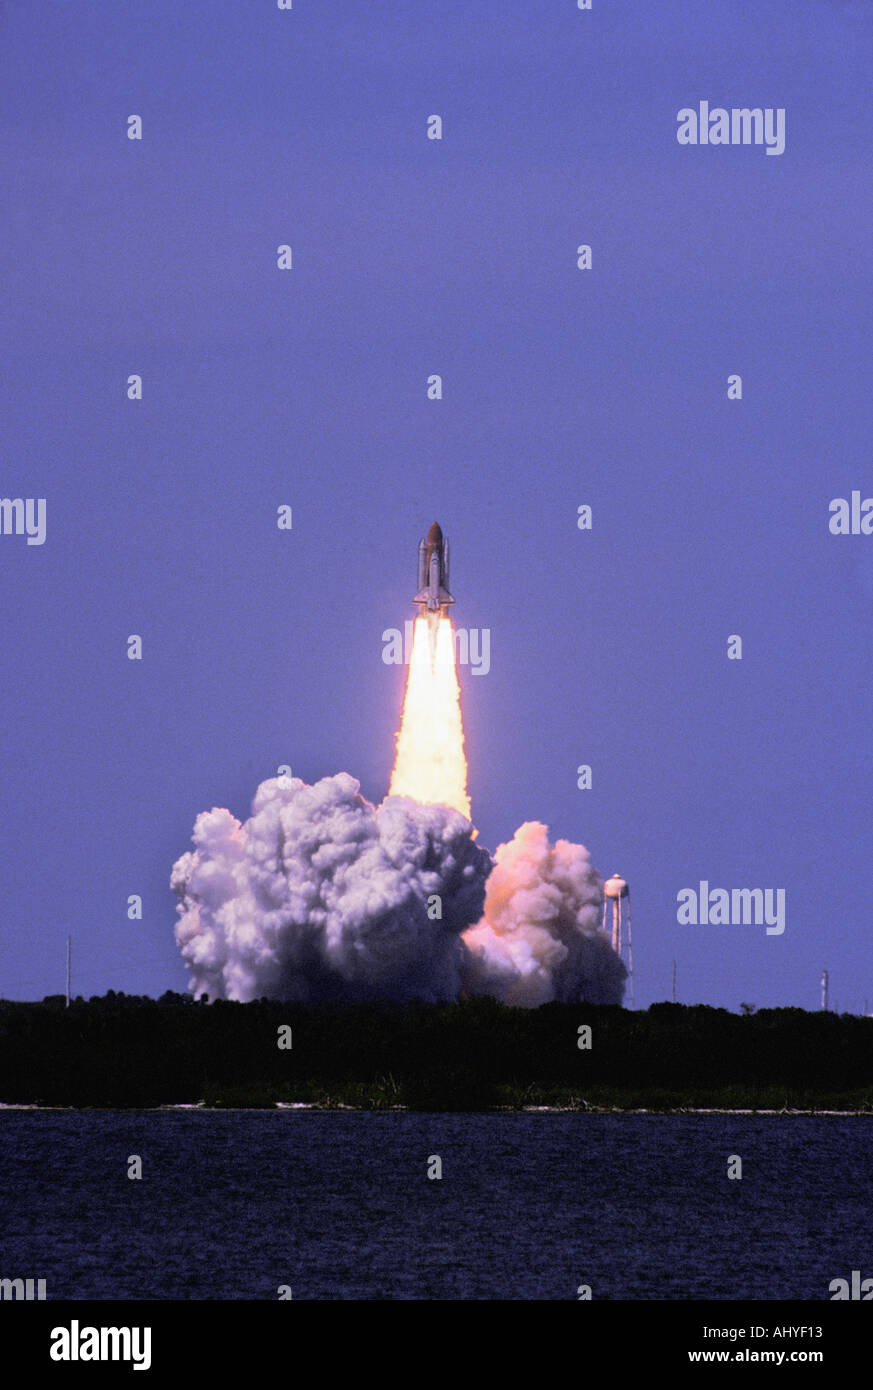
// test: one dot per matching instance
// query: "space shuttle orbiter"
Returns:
(433, 573)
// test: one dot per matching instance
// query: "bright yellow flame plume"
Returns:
(430, 766)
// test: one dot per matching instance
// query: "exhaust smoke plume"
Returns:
(320, 895)
(540, 939)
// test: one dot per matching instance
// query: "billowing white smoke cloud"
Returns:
(322, 896)
(540, 937)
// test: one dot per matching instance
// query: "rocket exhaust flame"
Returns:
(430, 766)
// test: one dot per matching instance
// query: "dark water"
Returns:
(339, 1205)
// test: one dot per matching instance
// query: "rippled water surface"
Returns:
(233, 1204)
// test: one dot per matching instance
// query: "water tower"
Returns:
(615, 890)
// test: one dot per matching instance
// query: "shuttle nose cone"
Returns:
(435, 535)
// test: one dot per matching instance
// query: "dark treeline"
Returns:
(124, 1050)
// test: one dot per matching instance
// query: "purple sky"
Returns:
(561, 387)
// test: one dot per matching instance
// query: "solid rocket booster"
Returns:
(433, 573)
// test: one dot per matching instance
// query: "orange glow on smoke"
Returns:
(430, 766)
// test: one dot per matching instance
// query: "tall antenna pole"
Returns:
(674, 982)
(69, 940)
(630, 953)
(824, 990)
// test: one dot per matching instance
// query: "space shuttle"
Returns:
(433, 573)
